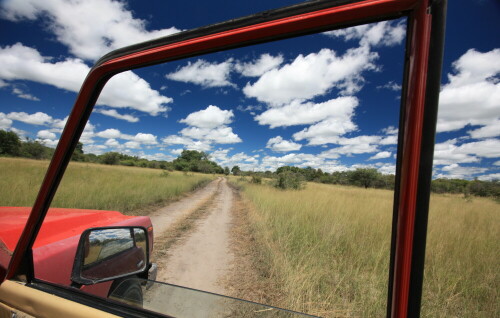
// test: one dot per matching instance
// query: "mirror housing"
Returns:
(109, 253)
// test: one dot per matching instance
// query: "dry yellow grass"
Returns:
(328, 247)
(94, 186)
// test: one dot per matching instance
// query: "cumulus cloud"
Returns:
(391, 85)
(205, 127)
(297, 113)
(123, 90)
(455, 171)
(113, 113)
(5, 122)
(313, 75)
(45, 134)
(21, 94)
(491, 129)
(265, 63)
(449, 152)
(490, 177)
(210, 117)
(385, 33)
(472, 94)
(37, 118)
(381, 155)
(353, 146)
(88, 28)
(278, 144)
(218, 135)
(204, 73)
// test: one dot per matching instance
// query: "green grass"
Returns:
(93, 186)
(328, 248)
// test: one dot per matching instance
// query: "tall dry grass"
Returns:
(328, 249)
(93, 186)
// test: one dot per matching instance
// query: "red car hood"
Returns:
(59, 224)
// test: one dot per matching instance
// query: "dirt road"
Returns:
(200, 257)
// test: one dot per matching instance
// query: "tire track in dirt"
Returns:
(166, 216)
(203, 259)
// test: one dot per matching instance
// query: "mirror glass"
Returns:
(113, 252)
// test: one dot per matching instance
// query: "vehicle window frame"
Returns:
(418, 115)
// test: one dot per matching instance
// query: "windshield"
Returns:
(178, 301)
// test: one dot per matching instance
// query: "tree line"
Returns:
(286, 177)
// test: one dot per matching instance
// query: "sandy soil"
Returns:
(202, 259)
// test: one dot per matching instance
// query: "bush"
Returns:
(290, 180)
(256, 180)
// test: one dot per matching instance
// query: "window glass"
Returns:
(263, 173)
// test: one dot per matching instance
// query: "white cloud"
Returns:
(280, 145)
(219, 135)
(49, 142)
(113, 113)
(145, 139)
(110, 133)
(381, 155)
(211, 117)
(449, 153)
(187, 142)
(5, 123)
(45, 134)
(133, 145)
(455, 171)
(21, 94)
(492, 129)
(313, 75)
(391, 85)
(204, 73)
(177, 152)
(472, 94)
(353, 146)
(496, 163)
(265, 63)
(123, 90)
(340, 109)
(490, 177)
(112, 143)
(387, 33)
(37, 118)
(205, 127)
(89, 28)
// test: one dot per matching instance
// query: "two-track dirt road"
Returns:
(200, 257)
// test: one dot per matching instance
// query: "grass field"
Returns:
(328, 249)
(93, 186)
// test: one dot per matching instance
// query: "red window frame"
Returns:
(424, 50)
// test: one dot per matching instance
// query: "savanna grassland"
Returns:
(327, 250)
(94, 186)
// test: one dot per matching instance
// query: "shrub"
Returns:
(290, 180)
(256, 180)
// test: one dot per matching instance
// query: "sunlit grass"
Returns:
(328, 247)
(93, 186)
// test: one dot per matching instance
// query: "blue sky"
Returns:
(328, 101)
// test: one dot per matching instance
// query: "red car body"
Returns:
(55, 248)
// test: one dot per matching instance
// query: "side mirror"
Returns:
(110, 253)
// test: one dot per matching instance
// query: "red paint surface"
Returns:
(55, 248)
(414, 117)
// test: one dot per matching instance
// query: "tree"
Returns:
(110, 158)
(35, 150)
(290, 180)
(9, 143)
(236, 170)
(78, 153)
(226, 171)
(364, 177)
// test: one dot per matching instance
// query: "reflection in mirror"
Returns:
(113, 252)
